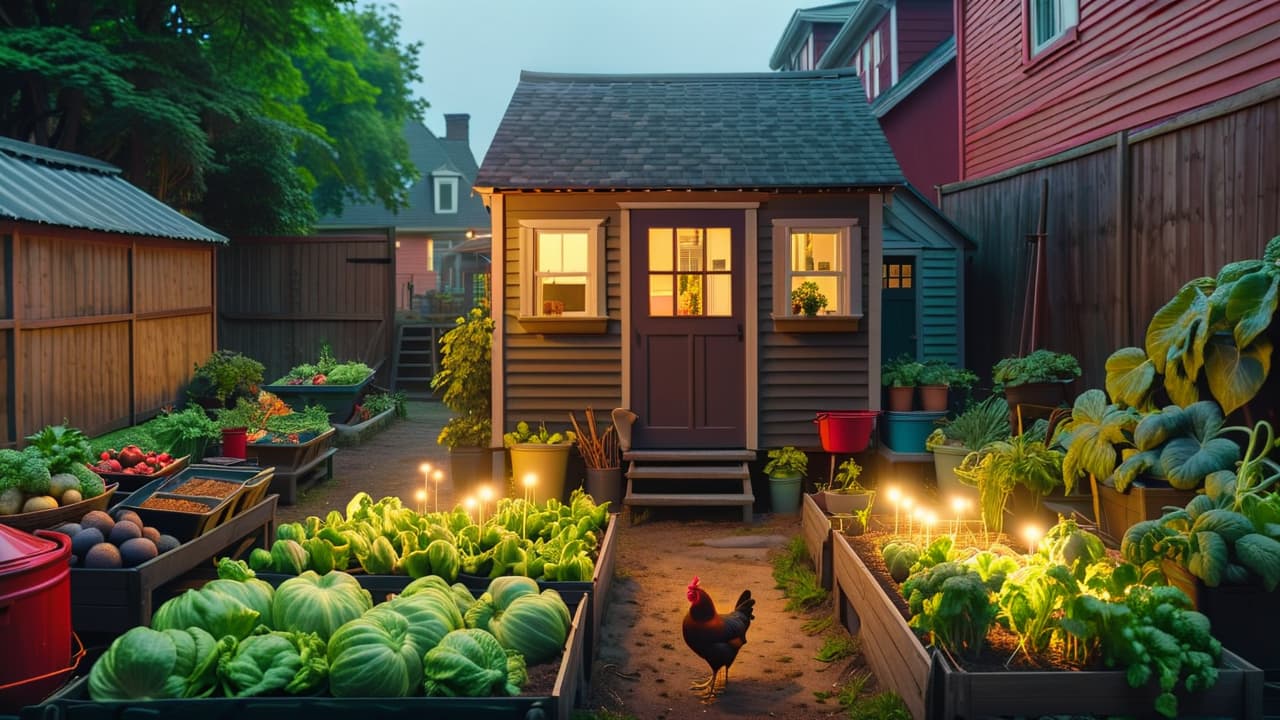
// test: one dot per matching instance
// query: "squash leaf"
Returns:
(1186, 461)
(1251, 305)
(1156, 428)
(1233, 271)
(1132, 467)
(1179, 330)
(1261, 554)
(1220, 485)
(1091, 436)
(1209, 561)
(1230, 525)
(1236, 375)
(1130, 376)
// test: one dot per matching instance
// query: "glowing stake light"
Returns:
(896, 498)
(958, 505)
(529, 481)
(917, 516)
(1032, 534)
(486, 494)
(469, 504)
(930, 519)
(907, 504)
(437, 476)
(421, 497)
(425, 469)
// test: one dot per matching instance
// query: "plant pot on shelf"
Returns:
(934, 397)
(906, 432)
(838, 503)
(1042, 394)
(605, 485)
(547, 463)
(900, 399)
(784, 493)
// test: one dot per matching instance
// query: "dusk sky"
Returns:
(473, 51)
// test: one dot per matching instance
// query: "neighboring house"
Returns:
(442, 211)
(904, 53)
(1152, 125)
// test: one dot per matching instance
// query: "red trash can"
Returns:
(35, 616)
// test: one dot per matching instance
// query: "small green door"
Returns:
(898, 304)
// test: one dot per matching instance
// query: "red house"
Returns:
(1152, 126)
(904, 54)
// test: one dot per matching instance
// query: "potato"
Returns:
(71, 497)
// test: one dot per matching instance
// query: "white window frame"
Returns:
(442, 184)
(849, 234)
(596, 279)
(1066, 14)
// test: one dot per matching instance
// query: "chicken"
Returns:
(716, 638)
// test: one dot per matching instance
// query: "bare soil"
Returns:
(643, 668)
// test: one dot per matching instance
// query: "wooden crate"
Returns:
(1115, 512)
(110, 601)
(957, 693)
(73, 703)
(815, 528)
(897, 658)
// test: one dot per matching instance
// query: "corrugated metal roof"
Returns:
(725, 131)
(52, 187)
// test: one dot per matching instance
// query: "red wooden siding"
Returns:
(1132, 64)
(823, 34)
(921, 132)
(412, 263)
(922, 26)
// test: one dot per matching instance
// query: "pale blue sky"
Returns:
(473, 50)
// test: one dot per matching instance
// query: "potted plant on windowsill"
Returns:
(466, 384)
(807, 299)
(542, 455)
(1041, 378)
(900, 376)
(786, 468)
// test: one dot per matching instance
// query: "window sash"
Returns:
(1049, 20)
(446, 195)
(535, 278)
(845, 300)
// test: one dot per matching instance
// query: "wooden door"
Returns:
(898, 307)
(688, 369)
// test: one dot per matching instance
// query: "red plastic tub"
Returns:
(846, 431)
(35, 616)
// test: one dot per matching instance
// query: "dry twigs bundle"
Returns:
(598, 451)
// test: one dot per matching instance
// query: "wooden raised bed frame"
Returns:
(815, 527)
(933, 688)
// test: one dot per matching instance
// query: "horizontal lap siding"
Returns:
(802, 374)
(922, 26)
(1132, 64)
(549, 375)
(939, 298)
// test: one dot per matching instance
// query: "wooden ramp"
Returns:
(687, 478)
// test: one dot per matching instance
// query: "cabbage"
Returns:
(209, 609)
(431, 615)
(319, 603)
(145, 664)
(268, 663)
(237, 580)
(534, 625)
(374, 656)
(471, 663)
(462, 596)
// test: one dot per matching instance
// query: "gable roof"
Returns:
(722, 131)
(799, 27)
(856, 27)
(52, 187)
(914, 220)
(428, 153)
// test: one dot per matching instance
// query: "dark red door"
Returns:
(688, 357)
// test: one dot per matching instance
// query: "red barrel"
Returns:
(234, 442)
(35, 615)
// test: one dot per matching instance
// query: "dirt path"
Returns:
(643, 668)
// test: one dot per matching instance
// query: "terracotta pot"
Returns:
(934, 397)
(900, 398)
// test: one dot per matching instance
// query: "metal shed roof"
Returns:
(53, 187)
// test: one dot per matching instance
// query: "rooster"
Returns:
(716, 638)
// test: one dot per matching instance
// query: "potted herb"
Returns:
(999, 467)
(603, 462)
(786, 467)
(936, 378)
(900, 376)
(225, 377)
(1041, 378)
(978, 426)
(466, 388)
(846, 496)
(807, 299)
(542, 455)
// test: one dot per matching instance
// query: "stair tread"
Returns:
(696, 472)
(689, 455)
(688, 499)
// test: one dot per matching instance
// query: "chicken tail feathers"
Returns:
(745, 605)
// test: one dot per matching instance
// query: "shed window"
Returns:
(896, 276)
(1049, 20)
(827, 252)
(446, 195)
(562, 268)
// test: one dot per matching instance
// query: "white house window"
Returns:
(827, 252)
(1049, 20)
(562, 268)
(446, 194)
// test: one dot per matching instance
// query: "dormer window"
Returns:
(446, 194)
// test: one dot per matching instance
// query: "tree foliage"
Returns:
(251, 115)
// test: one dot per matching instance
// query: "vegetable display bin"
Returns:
(129, 482)
(846, 432)
(905, 432)
(35, 615)
(253, 483)
(286, 457)
(53, 517)
(339, 400)
(183, 525)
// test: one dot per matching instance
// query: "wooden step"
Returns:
(687, 472)
(689, 455)
(683, 499)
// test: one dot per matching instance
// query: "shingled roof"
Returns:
(721, 131)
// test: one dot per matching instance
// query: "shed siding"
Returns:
(939, 310)
(922, 26)
(804, 373)
(1132, 64)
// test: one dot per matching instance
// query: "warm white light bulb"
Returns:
(421, 496)
(894, 495)
(424, 468)
(486, 494)
(530, 480)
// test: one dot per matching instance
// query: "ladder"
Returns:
(416, 360)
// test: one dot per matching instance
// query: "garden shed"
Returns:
(108, 298)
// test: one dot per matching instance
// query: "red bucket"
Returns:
(846, 431)
(234, 442)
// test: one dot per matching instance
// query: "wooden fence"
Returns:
(97, 329)
(1131, 218)
(281, 298)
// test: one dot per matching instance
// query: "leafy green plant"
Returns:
(314, 419)
(1182, 446)
(846, 479)
(999, 466)
(188, 428)
(787, 461)
(62, 447)
(1212, 330)
(1038, 367)
(464, 378)
(225, 375)
(1093, 437)
(542, 436)
(808, 298)
(980, 424)
(378, 403)
(902, 371)
(952, 606)
(939, 372)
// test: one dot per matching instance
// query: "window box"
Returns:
(565, 325)
(819, 324)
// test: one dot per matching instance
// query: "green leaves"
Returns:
(1236, 374)
(1091, 436)
(1130, 376)
(1187, 459)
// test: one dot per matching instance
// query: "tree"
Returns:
(199, 100)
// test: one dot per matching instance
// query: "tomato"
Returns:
(104, 455)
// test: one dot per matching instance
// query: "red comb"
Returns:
(694, 584)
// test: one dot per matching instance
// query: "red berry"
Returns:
(104, 455)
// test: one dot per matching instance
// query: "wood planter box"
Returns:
(1234, 612)
(815, 528)
(1115, 512)
(347, 435)
(339, 400)
(933, 687)
(296, 464)
(73, 703)
(110, 601)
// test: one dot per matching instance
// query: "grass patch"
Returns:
(601, 714)
(817, 625)
(793, 573)
(837, 646)
(886, 705)
(848, 695)
(116, 439)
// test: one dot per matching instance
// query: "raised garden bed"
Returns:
(1115, 511)
(339, 400)
(296, 464)
(73, 703)
(348, 434)
(815, 528)
(110, 601)
(934, 687)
